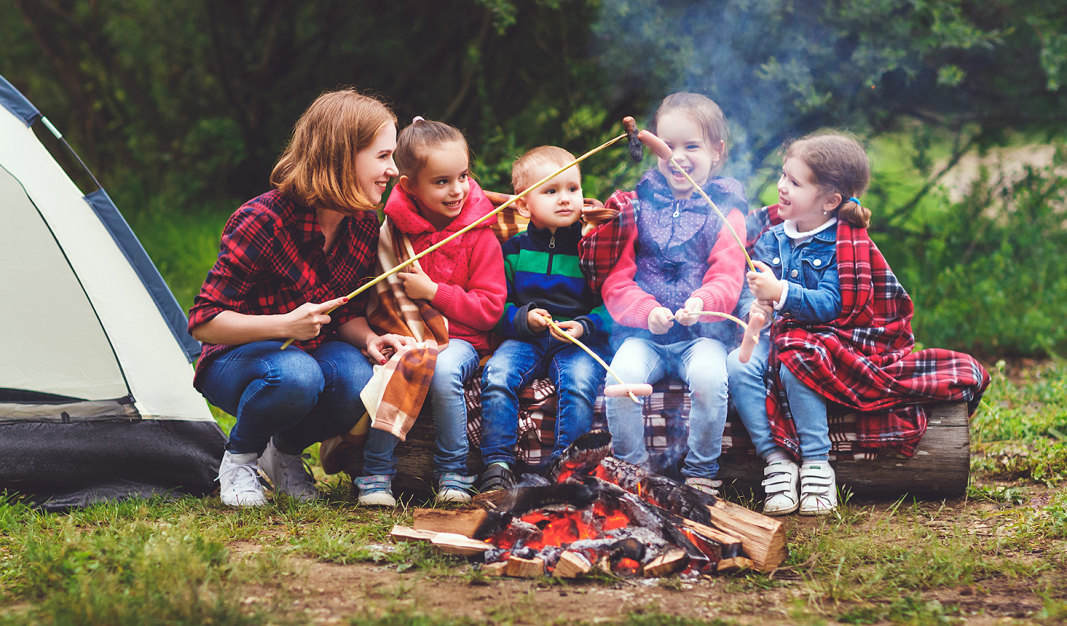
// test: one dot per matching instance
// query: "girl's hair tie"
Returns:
(418, 118)
(856, 200)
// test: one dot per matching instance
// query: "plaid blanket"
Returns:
(864, 361)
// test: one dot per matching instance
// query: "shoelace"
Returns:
(246, 478)
(302, 478)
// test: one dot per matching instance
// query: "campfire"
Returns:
(593, 511)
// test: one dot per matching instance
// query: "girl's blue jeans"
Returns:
(295, 397)
(455, 365)
(515, 363)
(748, 393)
(701, 363)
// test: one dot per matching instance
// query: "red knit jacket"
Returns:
(469, 270)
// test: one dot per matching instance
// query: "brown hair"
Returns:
(702, 110)
(318, 167)
(412, 142)
(839, 164)
(522, 170)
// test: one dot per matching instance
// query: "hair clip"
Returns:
(418, 118)
(856, 200)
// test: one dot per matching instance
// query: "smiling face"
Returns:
(442, 185)
(694, 152)
(558, 202)
(800, 199)
(374, 164)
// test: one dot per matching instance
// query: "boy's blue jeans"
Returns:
(748, 394)
(701, 363)
(295, 397)
(515, 363)
(455, 365)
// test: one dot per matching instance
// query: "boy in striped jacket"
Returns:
(544, 282)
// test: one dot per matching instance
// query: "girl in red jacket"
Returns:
(464, 280)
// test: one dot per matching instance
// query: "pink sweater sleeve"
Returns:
(627, 303)
(482, 303)
(721, 287)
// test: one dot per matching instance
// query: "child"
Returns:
(822, 176)
(464, 280)
(544, 279)
(678, 261)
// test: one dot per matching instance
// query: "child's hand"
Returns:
(535, 320)
(572, 328)
(763, 284)
(763, 309)
(417, 285)
(686, 316)
(659, 320)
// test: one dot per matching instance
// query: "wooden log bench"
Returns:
(940, 468)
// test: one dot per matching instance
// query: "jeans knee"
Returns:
(296, 377)
(500, 377)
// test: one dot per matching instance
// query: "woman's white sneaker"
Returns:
(818, 489)
(781, 488)
(239, 480)
(288, 474)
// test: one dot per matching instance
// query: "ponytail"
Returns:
(854, 213)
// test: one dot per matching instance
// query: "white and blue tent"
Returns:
(96, 400)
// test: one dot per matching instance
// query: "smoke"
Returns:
(777, 69)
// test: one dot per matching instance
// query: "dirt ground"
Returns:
(329, 593)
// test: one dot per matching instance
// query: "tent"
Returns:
(96, 400)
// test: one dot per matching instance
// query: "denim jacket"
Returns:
(810, 267)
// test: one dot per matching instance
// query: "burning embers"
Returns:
(595, 511)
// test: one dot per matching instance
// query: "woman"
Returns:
(288, 258)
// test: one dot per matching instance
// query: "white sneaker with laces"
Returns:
(288, 474)
(239, 480)
(780, 486)
(818, 489)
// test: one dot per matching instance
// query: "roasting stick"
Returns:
(629, 387)
(474, 224)
(663, 151)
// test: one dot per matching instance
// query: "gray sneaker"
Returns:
(288, 473)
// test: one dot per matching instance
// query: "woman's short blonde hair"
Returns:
(318, 167)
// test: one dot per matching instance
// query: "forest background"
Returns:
(181, 108)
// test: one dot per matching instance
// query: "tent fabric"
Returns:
(13, 100)
(96, 396)
(135, 253)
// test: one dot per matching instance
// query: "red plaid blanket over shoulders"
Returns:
(864, 360)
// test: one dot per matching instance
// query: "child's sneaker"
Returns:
(288, 474)
(497, 476)
(239, 480)
(375, 490)
(818, 489)
(707, 485)
(454, 488)
(781, 488)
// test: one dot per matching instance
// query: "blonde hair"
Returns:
(318, 167)
(522, 170)
(413, 141)
(702, 110)
(838, 164)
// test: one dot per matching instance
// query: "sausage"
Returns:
(655, 144)
(615, 391)
(637, 150)
(748, 344)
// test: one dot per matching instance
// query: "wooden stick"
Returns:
(581, 345)
(474, 224)
(725, 316)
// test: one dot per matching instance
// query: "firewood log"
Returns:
(451, 543)
(672, 562)
(403, 534)
(524, 568)
(463, 521)
(571, 565)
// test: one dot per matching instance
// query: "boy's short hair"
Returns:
(522, 170)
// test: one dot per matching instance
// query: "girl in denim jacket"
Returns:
(821, 176)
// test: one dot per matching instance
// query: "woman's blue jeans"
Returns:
(701, 363)
(515, 363)
(748, 394)
(295, 397)
(455, 365)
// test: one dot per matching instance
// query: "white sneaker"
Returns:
(288, 474)
(375, 490)
(818, 489)
(454, 488)
(706, 485)
(239, 480)
(781, 488)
